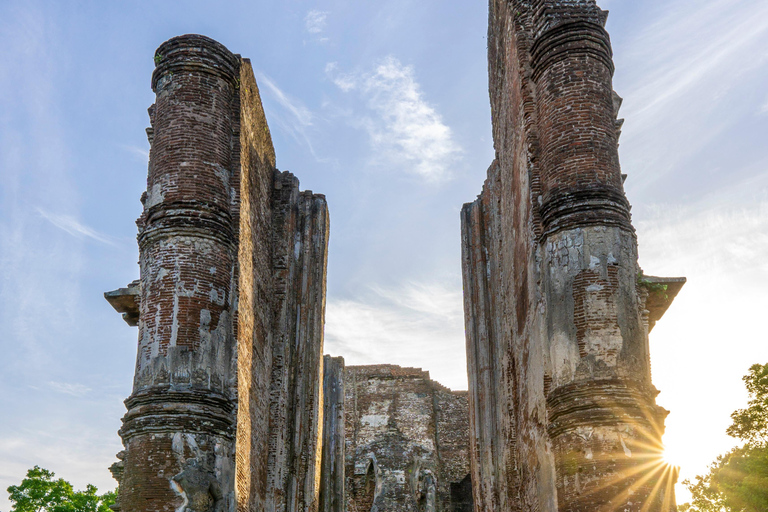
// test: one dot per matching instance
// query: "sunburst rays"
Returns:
(640, 475)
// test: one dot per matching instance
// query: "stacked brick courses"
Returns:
(233, 405)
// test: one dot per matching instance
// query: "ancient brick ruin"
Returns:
(408, 435)
(234, 406)
(563, 413)
(226, 402)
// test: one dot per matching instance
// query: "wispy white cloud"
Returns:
(764, 108)
(72, 226)
(140, 153)
(674, 80)
(686, 61)
(405, 129)
(315, 21)
(288, 113)
(68, 388)
(402, 325)
(300, 114)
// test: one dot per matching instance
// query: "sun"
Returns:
(672, 456)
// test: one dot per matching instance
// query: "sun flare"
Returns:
(672, 456)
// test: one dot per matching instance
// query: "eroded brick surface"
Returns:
(234, 407)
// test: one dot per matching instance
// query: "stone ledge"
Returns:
(126, 301)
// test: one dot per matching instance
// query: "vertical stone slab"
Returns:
(300, 241)
(332, 493)
(179, 428)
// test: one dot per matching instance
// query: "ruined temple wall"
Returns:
(226, 408)
(452, 438)
(179, 428)
(562, 409)
(511, 459)
(406, 440)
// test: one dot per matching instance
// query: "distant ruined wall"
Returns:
(226, 411)
(562, 409)
(406, 441)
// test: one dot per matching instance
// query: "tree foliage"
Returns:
(738, 480)
(40, 492)
(751, 424)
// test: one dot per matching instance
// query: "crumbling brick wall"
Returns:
(562, 409)
(225, 412)
(406, 440)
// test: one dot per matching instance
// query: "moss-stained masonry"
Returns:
(562, 408)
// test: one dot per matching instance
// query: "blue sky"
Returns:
(383, 107)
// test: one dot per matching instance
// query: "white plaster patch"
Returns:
(161, 273)
(179, 491)
(593, 262)
(399, 475)
(627, 452)
(177, 444)
(205, 318)
(374, 420)
(594, 287)
(155, 196)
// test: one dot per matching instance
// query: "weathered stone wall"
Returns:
(300, 247)
(406, 440)
(226, 410)
(562, 408)
(332, 491)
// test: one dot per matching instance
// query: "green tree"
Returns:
(40, 492)
(738, 480)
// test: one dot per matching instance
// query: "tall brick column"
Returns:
(603, 421)
(179, 428)
(563, 413)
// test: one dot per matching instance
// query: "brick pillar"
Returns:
(179, 428)
(603, 422)
(572, 69)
